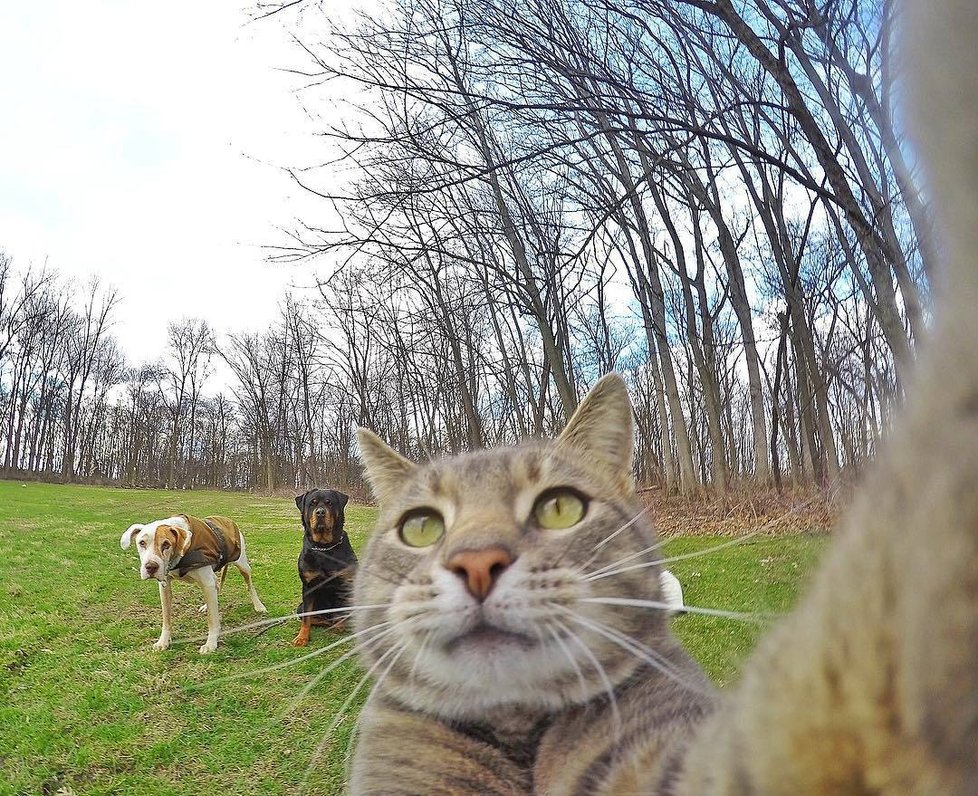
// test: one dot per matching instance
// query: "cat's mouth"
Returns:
(485, 636)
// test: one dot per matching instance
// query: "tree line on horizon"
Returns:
(714, 199)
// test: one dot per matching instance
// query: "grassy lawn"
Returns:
(86, 706)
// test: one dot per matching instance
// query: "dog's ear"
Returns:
(300, 499)
(385, 468)
(341, 500)
(127, 535)
(184, 537)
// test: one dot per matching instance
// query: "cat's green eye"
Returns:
(559, 508)
(422, 529)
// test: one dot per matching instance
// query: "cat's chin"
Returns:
(488, 669)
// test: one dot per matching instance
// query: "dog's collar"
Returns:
(326, 549)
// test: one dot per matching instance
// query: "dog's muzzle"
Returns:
(152, 570)
(322, 520)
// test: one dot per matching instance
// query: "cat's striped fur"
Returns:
(505, 705)
(869, 687)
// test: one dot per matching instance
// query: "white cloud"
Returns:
(140, 143)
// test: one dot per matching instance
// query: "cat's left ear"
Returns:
(601, 430)
(386, 469)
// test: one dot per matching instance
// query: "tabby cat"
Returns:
(517, 650)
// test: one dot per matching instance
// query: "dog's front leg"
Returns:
(209, 584)
(166, 600)
(303, 638)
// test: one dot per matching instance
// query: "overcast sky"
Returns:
(141, 142)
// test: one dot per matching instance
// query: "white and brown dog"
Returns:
(188, 548)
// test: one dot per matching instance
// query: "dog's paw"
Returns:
(300, 641)
(162, 644)
(202, 609)
(260, 608)
(208, 648)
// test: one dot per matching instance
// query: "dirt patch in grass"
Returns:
(744, 509)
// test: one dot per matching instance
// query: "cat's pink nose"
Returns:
(480, 569)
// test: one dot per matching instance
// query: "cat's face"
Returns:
(485, 565)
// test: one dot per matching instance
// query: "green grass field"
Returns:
(87, 707)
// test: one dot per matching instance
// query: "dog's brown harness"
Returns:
(216, 542)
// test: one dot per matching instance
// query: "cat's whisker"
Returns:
(420, 653)
(605, 572)
(709, 550)
(633, 646)
(277, 623)
(386, 672)
(350, 744)
(286, 664)
(620, 561)
(325, 581)
(601, 543)
(567, 653)
(538, 632)
(369, 570)
(396, 579)
(599, 670)
(280, 620)
(294, 703)
(623, 528)
(662, 606)
(397, 650)
(355, 730)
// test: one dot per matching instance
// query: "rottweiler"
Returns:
(326, 562)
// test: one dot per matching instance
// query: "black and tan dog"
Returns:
(327, 561)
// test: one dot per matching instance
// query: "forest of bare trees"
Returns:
(713, 198)
(73, 409)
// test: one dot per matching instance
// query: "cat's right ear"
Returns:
(386, 469)
(601, 430)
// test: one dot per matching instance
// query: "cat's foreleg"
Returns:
(404, 753)
(632, 743)
(872, 685)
